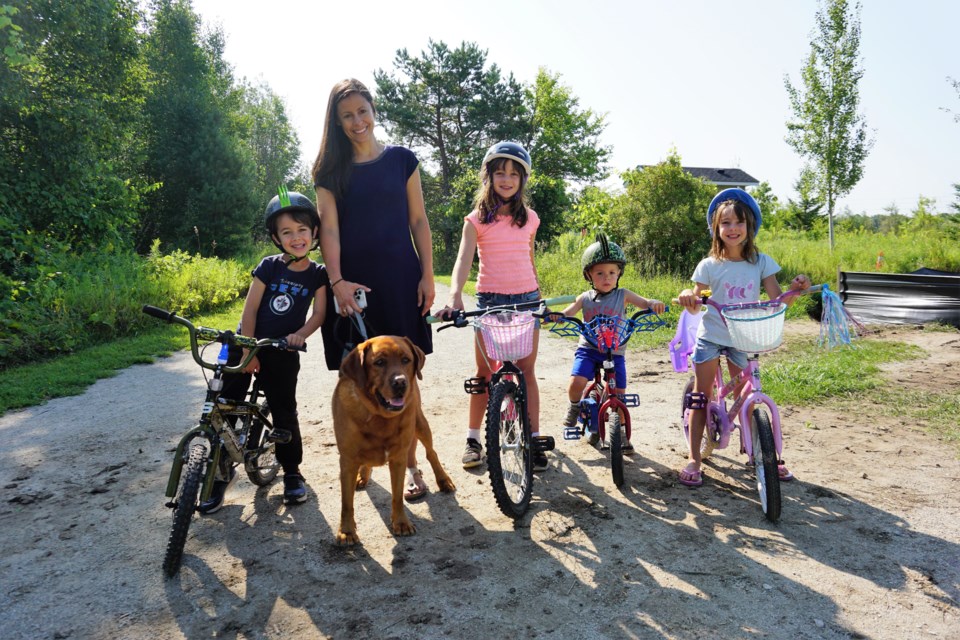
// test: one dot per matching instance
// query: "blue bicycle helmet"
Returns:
(734, 194)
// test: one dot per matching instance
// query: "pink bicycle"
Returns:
(755, 328)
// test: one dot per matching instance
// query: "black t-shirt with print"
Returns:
(287, 297)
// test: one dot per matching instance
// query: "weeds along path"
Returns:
(868, 545)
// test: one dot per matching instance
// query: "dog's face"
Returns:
(385, 370)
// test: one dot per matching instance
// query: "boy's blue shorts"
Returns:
(586, 361)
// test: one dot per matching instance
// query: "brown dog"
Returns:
(376, 414)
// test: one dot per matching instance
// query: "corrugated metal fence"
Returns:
(903, 298)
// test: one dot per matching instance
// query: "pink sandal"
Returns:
(691, 477)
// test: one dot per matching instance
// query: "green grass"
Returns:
(69, 375)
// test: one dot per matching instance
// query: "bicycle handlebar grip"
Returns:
(157, 312)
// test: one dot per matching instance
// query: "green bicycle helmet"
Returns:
(601, 252)
(289, 202)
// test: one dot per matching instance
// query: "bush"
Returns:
(74, 302)
(659, 221)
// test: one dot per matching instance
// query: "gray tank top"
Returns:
(610, 304)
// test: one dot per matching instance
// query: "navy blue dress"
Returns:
(376, 250)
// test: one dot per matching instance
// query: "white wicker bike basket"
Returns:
(507, 336)
(756, 329)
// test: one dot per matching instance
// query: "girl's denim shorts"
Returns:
(486, 300)
(705, 351)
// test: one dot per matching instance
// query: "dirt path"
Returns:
(868, 545)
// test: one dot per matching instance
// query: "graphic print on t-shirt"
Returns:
(282, 302)
(738, 291)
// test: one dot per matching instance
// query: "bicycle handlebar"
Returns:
(223, 337)
(705, 298)
(458, 318)
(624, 327)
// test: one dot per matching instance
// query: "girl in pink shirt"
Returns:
(500, 230)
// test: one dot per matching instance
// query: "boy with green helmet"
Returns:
(603, 263)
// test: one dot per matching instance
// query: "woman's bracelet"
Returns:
(333, 284)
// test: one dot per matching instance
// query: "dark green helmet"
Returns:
(601, 252)
(289, 202)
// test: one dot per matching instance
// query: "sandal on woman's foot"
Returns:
(416, 488)
(691, 477)
(784, 473)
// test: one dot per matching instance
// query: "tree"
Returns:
(827, 128)
(806, 210)
(448, 103)
(660, 220)
(766, 198)
(955, 205)
(273, 143)
(564, 143)
(195, 148)
(956, 86)
(67, 134)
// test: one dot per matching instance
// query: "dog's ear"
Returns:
(419, 357)
(352, 366)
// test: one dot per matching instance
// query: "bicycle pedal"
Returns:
(630, 399)
(572, 433)
(279, 436)
(475, 386)
(542, 444)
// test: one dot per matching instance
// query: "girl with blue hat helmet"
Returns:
(735, 271)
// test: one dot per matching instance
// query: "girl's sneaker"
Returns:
(472, 455)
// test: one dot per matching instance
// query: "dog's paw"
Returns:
(403, 528)
(347, 538)
(361, 483)
(446, 485)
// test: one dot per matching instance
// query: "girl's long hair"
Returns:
(489, 204)
(334, 163)
(748, 251)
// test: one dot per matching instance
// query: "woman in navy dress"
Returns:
(374, 233)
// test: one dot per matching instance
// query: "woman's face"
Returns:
(355, 117)
(507, 179)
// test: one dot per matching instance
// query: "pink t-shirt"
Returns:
(504, 252)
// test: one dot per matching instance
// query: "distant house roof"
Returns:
(722, 177)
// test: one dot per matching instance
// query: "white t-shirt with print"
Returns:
(732, 282)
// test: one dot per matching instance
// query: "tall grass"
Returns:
(81, 301)
(800, 252)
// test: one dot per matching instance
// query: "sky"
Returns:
(701, 77)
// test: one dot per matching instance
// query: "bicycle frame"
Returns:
(747, 382)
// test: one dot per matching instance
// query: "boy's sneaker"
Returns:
(539, 462)
(215, 501)
(472, 455)
(626, 447)
(573, 412)
(294, 491)
(593, 438)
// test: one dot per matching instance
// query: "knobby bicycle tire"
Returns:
(260, 459)
(509, 456)
(765, 465)
(615, 435)
(191, 480)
